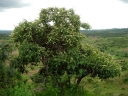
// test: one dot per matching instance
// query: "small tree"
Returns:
(55, 40)
(8, 76)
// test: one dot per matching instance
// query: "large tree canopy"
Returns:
(55, 40)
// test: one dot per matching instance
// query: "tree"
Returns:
(8, 76)
(55, 40)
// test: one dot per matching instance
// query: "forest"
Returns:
(40, 59)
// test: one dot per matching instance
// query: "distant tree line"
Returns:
(106, 32)
(4, 34)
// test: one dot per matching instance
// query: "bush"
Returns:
(124, 65)
(52, 91)
(37, 78)
(125, 79)
(8, 76)
(125, 54)
(18, 90)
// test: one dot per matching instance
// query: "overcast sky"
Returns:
(100, 14)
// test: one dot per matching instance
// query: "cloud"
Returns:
(125, 1)
(7, 4)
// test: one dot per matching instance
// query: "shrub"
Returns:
(20, 90)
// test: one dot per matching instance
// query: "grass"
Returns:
(30, 73)
(113, 86)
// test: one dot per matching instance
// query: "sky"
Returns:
(100, 14)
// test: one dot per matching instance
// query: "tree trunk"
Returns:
(79, 80)
(44, 63)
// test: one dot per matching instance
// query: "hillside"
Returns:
(6, 31)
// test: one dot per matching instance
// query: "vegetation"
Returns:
(55, 41)
(4, 34)
(64, 60)
(106, 32)
(115, 45)
(8, 76)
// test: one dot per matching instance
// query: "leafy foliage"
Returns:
(4, 51)
(28, 53)
(55, 40)
(83, 61)
(18, 90)
(8, 76)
